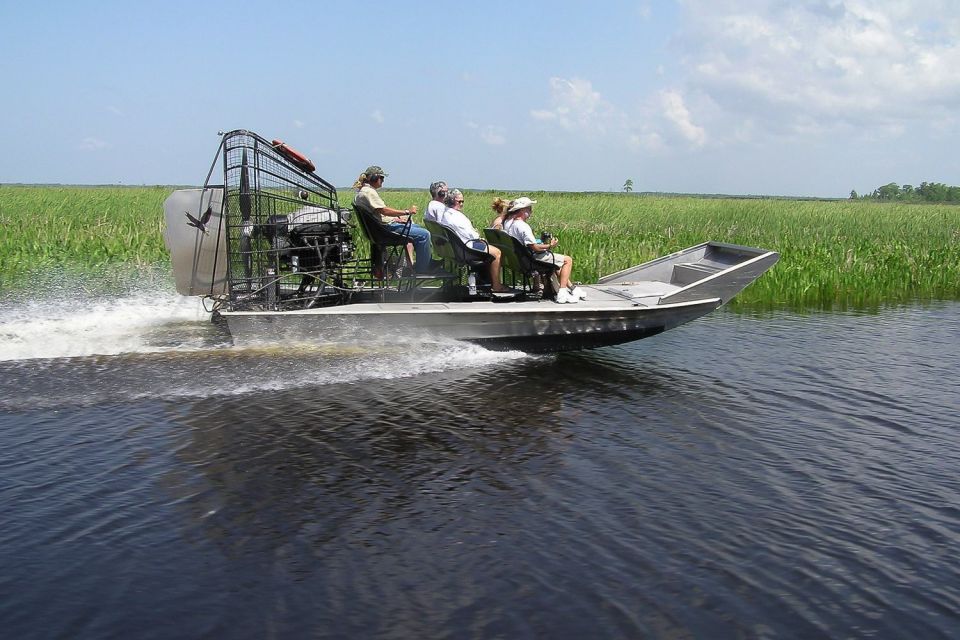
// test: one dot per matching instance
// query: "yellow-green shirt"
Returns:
(367, 196)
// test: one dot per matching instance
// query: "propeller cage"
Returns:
(289, 245)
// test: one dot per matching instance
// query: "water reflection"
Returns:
(342, 458)
(789, 472)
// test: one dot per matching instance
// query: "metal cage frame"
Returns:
(289, 245)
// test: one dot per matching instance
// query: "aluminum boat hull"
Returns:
(535, 326)
(629, 305)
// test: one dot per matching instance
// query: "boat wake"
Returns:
(147, 322)
(156, 344)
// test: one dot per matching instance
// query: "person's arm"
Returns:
(531, 240)
(398, 214)
(543, 246)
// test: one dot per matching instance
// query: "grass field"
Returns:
(83, 229)
(834, 254)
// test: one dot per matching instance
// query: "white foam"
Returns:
(318, 365)
(140, 370)
(161, 324)
(63, 328)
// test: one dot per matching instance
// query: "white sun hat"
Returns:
(522, 203)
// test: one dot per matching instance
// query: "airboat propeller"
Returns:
(245, 207)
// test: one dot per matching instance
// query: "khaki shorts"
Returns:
(546, 256)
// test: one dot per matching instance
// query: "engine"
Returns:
(310, 239)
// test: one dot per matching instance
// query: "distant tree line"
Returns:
(926, 192)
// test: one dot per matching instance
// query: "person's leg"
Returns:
(421, 244)
(396, 227)
(565, 271)
(497, 285)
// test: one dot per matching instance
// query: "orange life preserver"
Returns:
(294, 156)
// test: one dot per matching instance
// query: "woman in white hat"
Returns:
(515, 223)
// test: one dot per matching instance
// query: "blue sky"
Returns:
(804, 98)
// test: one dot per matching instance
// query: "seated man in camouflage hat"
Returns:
(394, 219)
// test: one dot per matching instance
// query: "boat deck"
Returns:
(599, 297)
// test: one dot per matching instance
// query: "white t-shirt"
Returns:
(460, 223)
(434, 211)
(521, 231)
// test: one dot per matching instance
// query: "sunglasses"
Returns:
(458, 202)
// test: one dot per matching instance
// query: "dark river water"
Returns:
(744, 476)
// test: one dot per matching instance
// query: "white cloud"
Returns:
(490, 134)
(93, 144)
(299, 124)
(812, 66)
(646, 141)
(576, 106)
(663, 122)
(493, 135)
(115, 110)
(377, 116)
(676, 112)
(752, 71)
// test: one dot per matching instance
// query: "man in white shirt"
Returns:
(438, 191)
(454, 218)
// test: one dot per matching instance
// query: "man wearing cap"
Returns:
(394, 219)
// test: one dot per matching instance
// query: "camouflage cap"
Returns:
(374, 171)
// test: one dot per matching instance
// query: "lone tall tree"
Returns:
(628, 186)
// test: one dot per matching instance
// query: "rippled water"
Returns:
(774, 476)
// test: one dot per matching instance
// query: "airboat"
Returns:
(277, 257)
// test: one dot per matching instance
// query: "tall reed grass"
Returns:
(833, 254)
(81, 228)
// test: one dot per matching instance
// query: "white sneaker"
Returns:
(564, 297)
(578, 293)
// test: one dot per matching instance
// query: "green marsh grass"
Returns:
(834, 254)
(79, 228)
